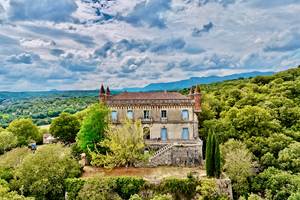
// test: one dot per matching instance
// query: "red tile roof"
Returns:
(149, 96)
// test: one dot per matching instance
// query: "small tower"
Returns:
(191, 93)
(197, 99)
(102, 95)
(107, 93)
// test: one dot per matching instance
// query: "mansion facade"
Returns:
(169, 121)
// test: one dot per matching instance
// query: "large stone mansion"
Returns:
(169, 121)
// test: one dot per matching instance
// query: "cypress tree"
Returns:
(213, 158)
(209, 156)
(217, 160)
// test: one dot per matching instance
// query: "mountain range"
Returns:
(176, 85)
(170, 86)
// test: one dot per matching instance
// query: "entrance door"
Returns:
(185, 134)
(164, 134)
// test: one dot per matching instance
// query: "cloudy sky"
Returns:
(78, 44)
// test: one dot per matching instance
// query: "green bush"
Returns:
(98, 189)
(6, 173)
(73, 186)
(127, 186)
(135, 197)
(14, 157)
(179, 188)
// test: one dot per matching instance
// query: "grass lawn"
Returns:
(154, 175)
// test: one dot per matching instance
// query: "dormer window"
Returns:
(185, 115)
(130, 114)
(114, 115)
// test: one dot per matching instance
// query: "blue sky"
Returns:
(79, 44)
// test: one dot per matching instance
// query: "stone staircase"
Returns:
(161, 151)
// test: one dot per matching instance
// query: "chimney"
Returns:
(197, 99)
(102, 95)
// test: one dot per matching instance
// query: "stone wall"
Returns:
(225, 187)
(187, 155)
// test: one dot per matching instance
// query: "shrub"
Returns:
(96, 189)
(207, 189)
(6, 173)
(179, 188)
(14, 158)
(5, 194)
(127, 186)
(73, 186)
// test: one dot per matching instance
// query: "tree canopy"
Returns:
(42, 174)
(93, 127)
(124, 146)
(25, 131)
(65, 127)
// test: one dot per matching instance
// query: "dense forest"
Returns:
(42, 108)
(262, 114)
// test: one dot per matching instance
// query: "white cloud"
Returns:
(75, 44)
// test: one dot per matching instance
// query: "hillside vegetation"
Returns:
(42, 108)
(262, 113)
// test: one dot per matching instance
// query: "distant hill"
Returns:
(176, 85)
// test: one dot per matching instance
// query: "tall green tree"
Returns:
(209, 157)
(213, 158)
(93, 127)
(65, 127)
(25, 131)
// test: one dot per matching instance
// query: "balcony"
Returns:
(147, 120)
(164, 119)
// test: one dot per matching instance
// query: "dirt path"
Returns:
(151, 174)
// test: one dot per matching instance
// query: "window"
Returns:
(146, 114)
(114, 115)
(129, 114)
(163, 114)
(185, 134)
(185, 114)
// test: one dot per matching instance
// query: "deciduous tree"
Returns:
(237, 165)
(25, 131)
(93, 127)
(7, 141)
(125, 146)
(42, 174)
(65, 127)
